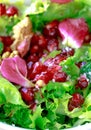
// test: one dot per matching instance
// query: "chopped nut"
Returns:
(21, 30)
(5, 54)
(13, 54)
(40, 83)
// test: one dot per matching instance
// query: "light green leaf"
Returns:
(9, 93)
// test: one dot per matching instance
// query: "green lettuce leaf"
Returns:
(55, 11)
(51, 55)
(9, 93)
(15, 114)
(70, 68)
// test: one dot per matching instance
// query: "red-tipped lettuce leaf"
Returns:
(73, 31)
(15, 70)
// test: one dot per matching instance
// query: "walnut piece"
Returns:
(21, 30)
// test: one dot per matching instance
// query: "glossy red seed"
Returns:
(32, 57)
(59, 58)
(82, 82)
(68, 51)
(34, 49)
(76, 101)
(87, 38)
(60, 76)
(7, 40)
(39, 40)
(34, 39)
(45, 76)
(2, 9)
(51, 29)
(37, 68)
(42, 41)
(11, 11)
(27, 94)
(52, 44)
(80, 64)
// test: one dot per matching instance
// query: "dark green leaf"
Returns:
(86, 69)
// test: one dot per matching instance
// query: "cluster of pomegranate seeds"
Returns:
(82, 82)
(51, 29)
(2, 9)
(68, 51)
(7, 41)
(52, 44)
(87, 38)
(28, 95)
(75, 102)
(10, 11)
(47, 41)
(60, 77)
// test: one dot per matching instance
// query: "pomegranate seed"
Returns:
(45, 76)
(80, 64)
(2, 9)
(59, 58)
(87, 38)
(51, 29)
(35, 49)
(60, 77)
(27, 94)
(7, 40)
(34, 39)
(33, 57)
(39, 40)
(52, 44)
(68, 51)
(82, 82)
(76, 101)
(37, 68)
(42, 41)
(11, 11)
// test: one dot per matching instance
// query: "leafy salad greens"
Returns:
(51, 111)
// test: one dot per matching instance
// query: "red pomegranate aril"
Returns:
(34, 39)
(59, 58)
(33, 57)
(52, 44)
(39, 67)
(39, 40)
(42, 41)
(51, 29)
(2, 9)
(60, 76)
(68, 51)
(87, 38)
(34, 49)
(80, 64)
(11, 11)
(82, 82)
(27, 94)
(45, 76)
(75, 102)
(7, 40)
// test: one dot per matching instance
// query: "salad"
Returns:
(45, 63)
